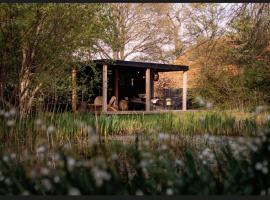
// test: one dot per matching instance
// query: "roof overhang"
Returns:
(133, 64)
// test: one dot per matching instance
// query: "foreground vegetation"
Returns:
(76, 154)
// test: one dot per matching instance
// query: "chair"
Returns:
(111, 106)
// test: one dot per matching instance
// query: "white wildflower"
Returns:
(25, 193)
(100, 176)
(10, 122)
(169, 191)
(2, 112)
(146, 143)
(258, 166)
(163, 147)
(259, 109)
(263, 192)
(40, 149)
(6, 114)
(179, 162)
(209, 105)
(143, 163)
(73, 191)
(13, 156)
(8, 181)
(43, 127)
(38, 122)
(163, 136)
(265, 170)
(200, 100)
(114, 156)
(160, 157)
(50, 129)
(139, 193)
(56, 179)
(47, 184)
(12, 112)
(44, 171)
(6, 158)
(71, 163)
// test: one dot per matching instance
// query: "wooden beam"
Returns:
(185, 85)
(104, 87)
(152, 85)
(147, 89)
(116, 85)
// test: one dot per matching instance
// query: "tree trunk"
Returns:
(74, 88)
(24, 85)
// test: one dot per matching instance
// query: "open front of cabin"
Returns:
(128, 87)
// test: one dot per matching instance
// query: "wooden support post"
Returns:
(147, 89)
(74, 88)
(104, 87)
(116, 85)
(152, 85)
(185, 84)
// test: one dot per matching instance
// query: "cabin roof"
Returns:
(133, 64)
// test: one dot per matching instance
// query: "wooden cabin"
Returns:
(134, 82)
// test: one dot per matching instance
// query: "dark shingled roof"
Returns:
(156, 66)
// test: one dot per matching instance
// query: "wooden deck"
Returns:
(143, 112)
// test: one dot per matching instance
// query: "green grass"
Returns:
(215, 123)
(73, 154)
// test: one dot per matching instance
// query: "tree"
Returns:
(132, 30)
(43, 39)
